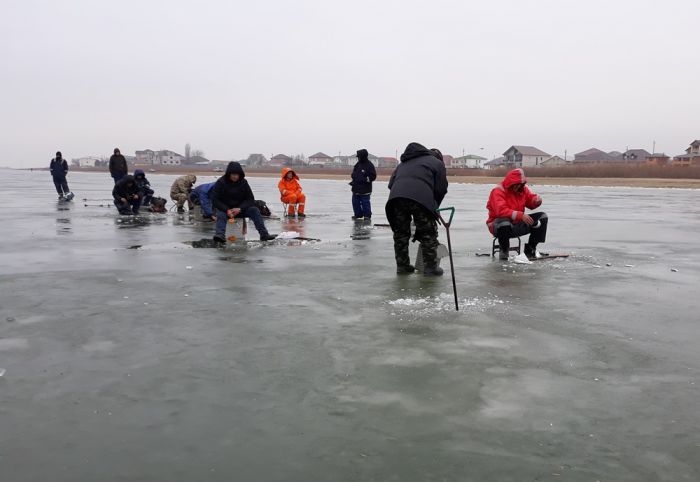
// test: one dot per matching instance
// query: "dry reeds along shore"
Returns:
(584, 175)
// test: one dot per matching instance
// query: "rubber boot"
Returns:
(405, 269)
(432, 269)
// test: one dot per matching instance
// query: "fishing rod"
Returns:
(449, 248)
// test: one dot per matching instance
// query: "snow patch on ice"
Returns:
(443, 302)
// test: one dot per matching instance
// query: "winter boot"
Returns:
(530, 251)
(301, 215)
(219, 238)
(432, 270)
(180, 209)
(503, 254)
(405, 269)
(267, 237)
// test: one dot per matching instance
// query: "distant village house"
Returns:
(280, 160)
(525, 156)
(691, 156)
(320, 159)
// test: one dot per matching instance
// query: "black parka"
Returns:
(125, 188)
(58, 167)
(117, 164)
(226, 195)
(363, 174)
(420, 176)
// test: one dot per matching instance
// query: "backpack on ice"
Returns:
(158, 205)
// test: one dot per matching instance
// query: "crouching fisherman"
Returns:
(507, 216)
(126, 195)
(417, 187)
(232, 197)
(180, 191)
(144, 187)
(59, 171)
(201, 196)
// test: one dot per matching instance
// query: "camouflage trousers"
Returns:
(399, 212)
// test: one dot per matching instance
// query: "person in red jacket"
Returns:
(507, 216)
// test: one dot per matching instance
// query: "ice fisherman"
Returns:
(363, 175)
(232, 197)
(417, 187)
(144, 187)
(59, 171)
(200, 195)
(180, 191)
(507, 217)
(291, 193)
(117, 165)
(126, 195)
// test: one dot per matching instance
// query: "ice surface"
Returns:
(314, 361)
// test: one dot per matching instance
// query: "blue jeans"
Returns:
(361, 205)
(252, 212)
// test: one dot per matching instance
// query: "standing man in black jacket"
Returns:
(117, 166)
(418, 186)
(232, 197)
(363, 174)
(59, 170)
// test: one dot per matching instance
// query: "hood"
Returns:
(516, 176)
(414, 150)
(128, 179)
(139, 173)
(285, 170)
(59, 155)
(234, 168)
(192, 178)
(363, 155)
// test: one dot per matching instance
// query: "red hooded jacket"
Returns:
(506, 203)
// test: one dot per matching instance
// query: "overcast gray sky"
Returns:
(272, 76)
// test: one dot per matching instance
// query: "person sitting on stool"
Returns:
(232, 197)
(507, 218)
(291, 193)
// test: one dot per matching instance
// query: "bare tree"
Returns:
(197, 153)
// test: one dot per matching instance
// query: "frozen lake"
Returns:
(315, 361)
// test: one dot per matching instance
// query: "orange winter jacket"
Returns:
(289, 187)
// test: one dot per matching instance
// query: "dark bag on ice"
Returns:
(262, 206)
(158, 205)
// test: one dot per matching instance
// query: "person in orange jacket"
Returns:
(291, 193)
